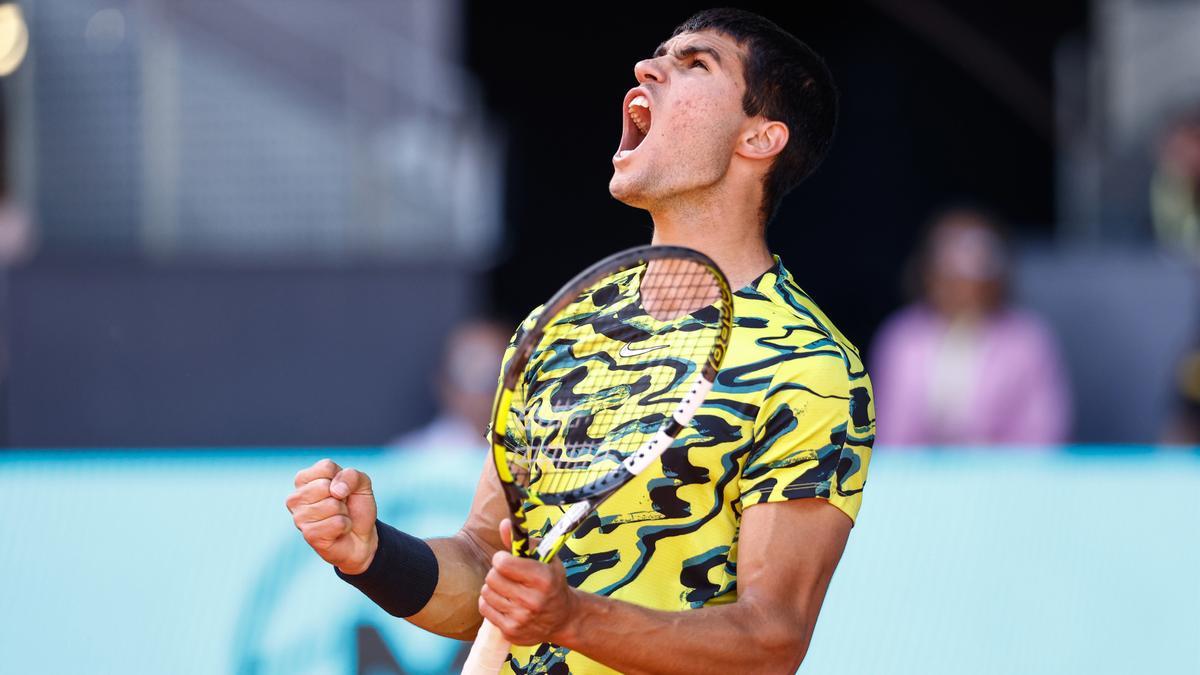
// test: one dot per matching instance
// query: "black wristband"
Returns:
(401, 576)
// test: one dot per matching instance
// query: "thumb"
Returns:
(506, 533)
(354, 487)
(349, 481)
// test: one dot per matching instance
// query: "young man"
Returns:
(730, 114)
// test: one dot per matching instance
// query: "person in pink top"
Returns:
(962, 365)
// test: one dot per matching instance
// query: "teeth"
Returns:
(635, 111)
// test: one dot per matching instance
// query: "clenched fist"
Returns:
(335, 510)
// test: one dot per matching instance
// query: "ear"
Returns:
(763, 139)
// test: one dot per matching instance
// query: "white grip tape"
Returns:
(489, 652)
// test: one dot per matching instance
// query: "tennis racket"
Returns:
(609, 375)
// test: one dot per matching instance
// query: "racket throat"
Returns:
(574, 515)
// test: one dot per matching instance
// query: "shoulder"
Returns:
(789, 322)
(789, 352)
(526, 324)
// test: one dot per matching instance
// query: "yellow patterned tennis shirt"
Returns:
(790, 416)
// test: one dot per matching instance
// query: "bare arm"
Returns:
(463, 561)
(340, 526)
(787, 554)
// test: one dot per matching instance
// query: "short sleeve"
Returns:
(522, 327)
(813, 433)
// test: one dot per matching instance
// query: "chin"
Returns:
(625, 190)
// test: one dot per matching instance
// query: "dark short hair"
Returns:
(786, 81)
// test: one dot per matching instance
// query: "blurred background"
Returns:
(237, 236)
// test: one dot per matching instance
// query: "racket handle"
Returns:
(489, 652)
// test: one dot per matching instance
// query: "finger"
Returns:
(325, 468)
(512, 627)
(326, 508)
(323, 533)
(523, 571)
(499, 619)
(516, 592)
(348, 482)
(502, 603)
(309, 493)
(506, 533)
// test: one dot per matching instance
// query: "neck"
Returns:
(740, 252)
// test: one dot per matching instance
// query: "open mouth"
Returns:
(636, 125)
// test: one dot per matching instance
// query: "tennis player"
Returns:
(722, 565)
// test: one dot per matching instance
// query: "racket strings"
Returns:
(597, 399)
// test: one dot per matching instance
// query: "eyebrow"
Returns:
(684, 52)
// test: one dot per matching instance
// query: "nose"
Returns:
(648, 69)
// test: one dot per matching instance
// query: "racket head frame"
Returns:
(588, 497)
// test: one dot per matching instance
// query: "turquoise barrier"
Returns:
(1003, 561)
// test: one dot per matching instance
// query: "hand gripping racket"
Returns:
(609, 375)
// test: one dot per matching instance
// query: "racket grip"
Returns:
(489, 652)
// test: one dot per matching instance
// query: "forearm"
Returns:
(739, 637)
(452, 610)
(402, 566)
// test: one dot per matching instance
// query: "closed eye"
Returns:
(700, 63)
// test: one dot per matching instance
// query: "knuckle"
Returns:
(321, 534)
(310, 513)
(313, 491)
(323, 540)
(491, 579)
(310, 534)
(302, 514)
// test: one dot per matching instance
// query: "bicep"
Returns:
(787, 553)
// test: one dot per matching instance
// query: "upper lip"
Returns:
(628, 128)
(634, 93)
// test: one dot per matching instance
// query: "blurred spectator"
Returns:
(1175, 186)
(18, 241)
(960, 365)
(1184, 428)
(466, 386)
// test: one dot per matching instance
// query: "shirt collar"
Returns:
(769, 278)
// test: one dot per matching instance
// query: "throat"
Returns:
(741, 256)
